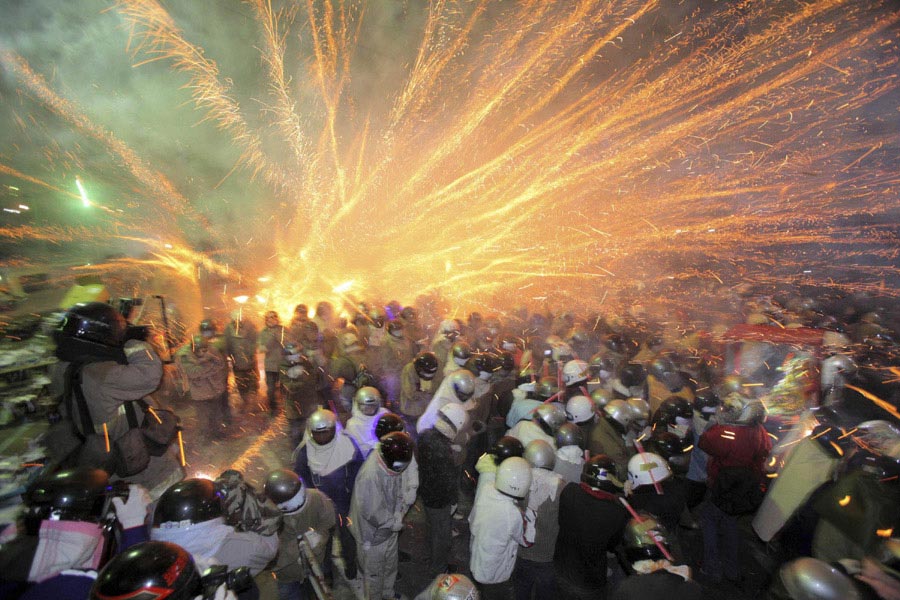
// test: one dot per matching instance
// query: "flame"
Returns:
(845, 500)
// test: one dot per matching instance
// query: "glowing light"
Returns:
(241, 299)
(885, 533)
(343, 287)
(84, 197)
(24, 207)
(845, 500)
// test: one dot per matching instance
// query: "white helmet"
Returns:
(561, 352)
(574, 372)
(540, 455)
(579, 409)
(452, 418)
(513, 477)
(454, 587)
(367, 400)
(645, 468)
(640, 408)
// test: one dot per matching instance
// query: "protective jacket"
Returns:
(415, 392)
(378, 503)
(438, 472)
(528, 431)
(240, 344)
(271, 342)
(735, 446)
(223, 544)
(207, 373)
(543, 499)
(590, 523)
(606, 440)
(362, 429)
(330, 468)
(316, 514)
(498, 529)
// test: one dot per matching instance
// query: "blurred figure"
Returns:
(271, 343)
(207, 373)
(297, 377)
(240, 339)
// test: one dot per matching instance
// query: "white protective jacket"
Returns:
(498, 529)
(215, 541)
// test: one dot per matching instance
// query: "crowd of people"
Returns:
(583, 452)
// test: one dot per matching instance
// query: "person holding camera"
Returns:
(106, 371)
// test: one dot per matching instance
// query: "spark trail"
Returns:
(585, 152)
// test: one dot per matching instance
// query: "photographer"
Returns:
(105, 370)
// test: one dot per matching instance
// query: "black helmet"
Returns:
(706, 402)
(286, 490)
(426, 365)
(506, 447)
(638, 539)
(149, 570)
(599, 471)
(664, 370)
(507, 361)
(94, 322)
(396, 450)
(615, 343)
(485, 362)
(192, 500)
(569, 434)
(671, 408)
(71, 495)
(282, 485)
(664, 443)
(388, 423)
(632, 375)
(546, 387)
(461, 351)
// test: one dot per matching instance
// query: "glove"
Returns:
(314, 538)
(398, 522)
(133, 512)
(486, 464)
(530, 517)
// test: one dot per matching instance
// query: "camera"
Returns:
(237, 581)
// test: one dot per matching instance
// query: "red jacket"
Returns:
(735, 446)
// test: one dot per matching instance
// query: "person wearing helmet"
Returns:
(271, 342)
(344, 369)
(591, 522)
(608, 435)
(191, 514)
(522, 406)
(377, 508)
(575, 376)
(206, 371)
(328, 459)
(654, 489)
(737, 447)
(398, 351)
(366, 410)
(417, 388)
(664, 380)
(675, 415)
(705, 405)
(651, 575)
(457, 387)
(630, 381)
(240, 341)
(499, 526)
(460, 353)
(440, 462)
(534, 571)
(306, 513)
(451, 586)
(570, 446)
(112, 373)
(299, 383)
(68, 531)
(545, 420)
(149, 569)
(446, 335)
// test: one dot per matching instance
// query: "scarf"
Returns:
(328, 458)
